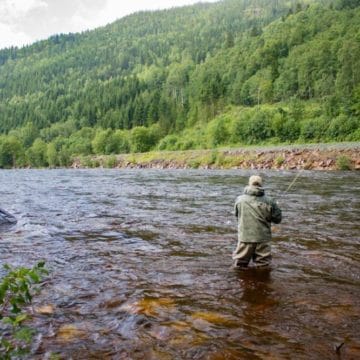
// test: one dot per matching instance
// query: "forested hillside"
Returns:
(228, 73)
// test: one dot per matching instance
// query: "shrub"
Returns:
(100, 141)
(286, 128)
(16, 290)
(279, 160)
(217, 132)
(194, 163)
(341, 127)
(237, 128)
(119, 143)
(169, 142)
(142, 139)
(37, 153)
(51, 155)
(343, 163)
(11, 152)
(89, 162)
(64, 156)
(252, 126)
(213, 157)
(111, 161)
(354, 136)
(314, 129)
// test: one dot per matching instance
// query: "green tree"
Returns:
(217, 131)
(26, 134)
(348, 77)
(100, 141)
(37, 154)
(120, 142)
(11, 152)
(52, 155)
(142, 139)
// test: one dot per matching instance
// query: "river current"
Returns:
(140, 264)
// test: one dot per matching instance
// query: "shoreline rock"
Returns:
(312, 157)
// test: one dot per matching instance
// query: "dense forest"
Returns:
(230, 73)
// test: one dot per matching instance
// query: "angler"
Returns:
(255, 213)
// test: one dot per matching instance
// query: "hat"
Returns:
(255, 180)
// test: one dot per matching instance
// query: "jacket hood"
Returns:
(254, 191)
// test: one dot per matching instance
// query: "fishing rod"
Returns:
(293, 182)
(299, 173)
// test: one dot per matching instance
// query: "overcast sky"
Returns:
(26, 21)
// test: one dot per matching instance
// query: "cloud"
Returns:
(10, 37)
(11, 10)
(115, 9)
(12, 14)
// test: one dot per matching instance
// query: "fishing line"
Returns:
(310, 158)
(293, 182)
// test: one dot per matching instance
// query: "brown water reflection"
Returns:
(140, 265)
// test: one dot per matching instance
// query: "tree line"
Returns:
(229, 73)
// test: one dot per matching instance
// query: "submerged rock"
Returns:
(6, 218)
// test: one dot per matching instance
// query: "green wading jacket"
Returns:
(255, 213)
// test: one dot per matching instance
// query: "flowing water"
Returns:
(140, 264)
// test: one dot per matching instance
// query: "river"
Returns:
(140, 264)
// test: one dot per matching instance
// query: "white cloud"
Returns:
(115, 9)
(78, 23)
(10, 37)
(12, 14)
(15, 9)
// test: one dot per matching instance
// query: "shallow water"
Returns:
(140, 264)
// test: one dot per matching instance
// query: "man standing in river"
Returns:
(255, 213)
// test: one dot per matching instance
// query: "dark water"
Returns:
(140, 265)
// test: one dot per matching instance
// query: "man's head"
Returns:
(255, 180)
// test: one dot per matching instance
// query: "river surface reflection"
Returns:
(140, 262)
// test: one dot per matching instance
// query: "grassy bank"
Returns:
(341, 156)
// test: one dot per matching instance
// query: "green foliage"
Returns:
(11, 152)
(143, 139)
(193, 163)
(106, 91)
(52, 155)
(27, 134)
(37, 154)
(119, 142)
(314, 129)
(347, 4)
(253, 126)
(279, 160)
(218, 132)
(169, 142)
(111, 162)
(64, 157)
(16, 292)
(343, 163)
(340, 127)
(89, 162)
(285, 127)
(64, 129)
(100, 142)
(80, 142)
(192, 138)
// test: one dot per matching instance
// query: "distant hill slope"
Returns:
(175, 70)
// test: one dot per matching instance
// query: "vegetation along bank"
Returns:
(344, 156)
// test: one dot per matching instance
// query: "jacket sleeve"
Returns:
(236, 210)
(276, 215)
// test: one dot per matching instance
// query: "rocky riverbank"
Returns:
(309, 157)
